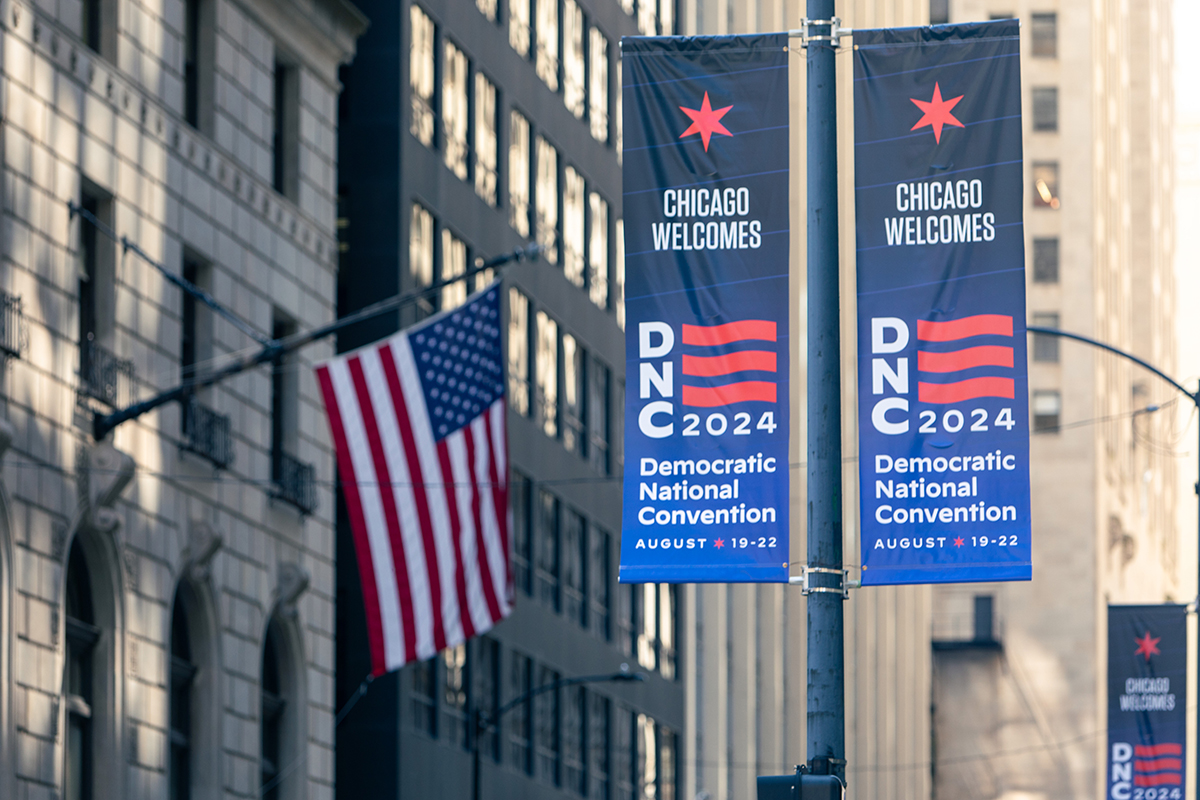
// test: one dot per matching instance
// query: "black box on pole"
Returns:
(800, 786)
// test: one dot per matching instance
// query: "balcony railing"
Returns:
(12, 325)
(207, 433)
(295, 482)
(102, 375)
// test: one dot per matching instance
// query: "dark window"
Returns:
(1045, 260)
(183, 672)
(191, 62)
(598, 742)
(598, 578)
(548, 589)
(1047, 408)
(1045, 184)
(623, 753)
(522, 512)
(284, 129)
(667, 763)
(187, 355)
(548, 742)
(939, 12)
(1045, 348)
(424, 696)
(520, 730)
(574, 725)
(598, 414)
(1044, 30)
(574, 536)
(82, 635)
(984, 622)
(627, 616)
(92, 23)
(271, 722)
(454, 694)
(89, 276)
(485, 677)
(1045, 108)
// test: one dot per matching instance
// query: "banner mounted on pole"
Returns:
(706, 302)
(942, 384)
(1147, 701)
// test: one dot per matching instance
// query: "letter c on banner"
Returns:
(646, 420)
(879, 416)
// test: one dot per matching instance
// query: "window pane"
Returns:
(518, 26)
(573, 226)
(424, 696)
(599, 739)
(598, 578)
(598, 250)
(619, 276)
(518, 174)
(485, 673)
(598, 415)
(1045, 109)
(574, 717)
(486, 139)
(598, 85)
(518, 352)
(939, 12)
(1045, 348)
(549, 743)
(620, 137)
(1045, 184)
(574, 87)
(1044, 30)
(546, 57)
(574, 562)
(1047, 408)
(628, 6)
(421, 76)
(627, 616)
(666, 16)
(420, 255)
(666, 630)
(573, 394)
(455, 71)
(547, 550)
(646, 762)
(1045, 260)
(546, 197)
(522, 511)
(454, 694)
(520, 730)
(623, 752)
(547, 373)
(647, 17)
(487, 8)
(647, 643)
(666, 764)
(454, 263)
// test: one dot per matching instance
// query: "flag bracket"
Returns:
(805, 581)
(836, 31)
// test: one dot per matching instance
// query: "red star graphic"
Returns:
(1147, 646)
(958, 542)
(705, 121)
(937, 112)
(719, 543)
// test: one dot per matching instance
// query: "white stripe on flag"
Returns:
(434, 486)
(406, 508)
(464, 489)
(377, 535)
(484, 454)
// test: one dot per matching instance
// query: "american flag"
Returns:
(942, 362)
(726, 352)
(418, 426)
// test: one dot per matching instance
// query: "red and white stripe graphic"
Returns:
(730, 390)
(945, 362)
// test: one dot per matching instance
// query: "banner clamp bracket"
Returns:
(806, 588)
(836, 31)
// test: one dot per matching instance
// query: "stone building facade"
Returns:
(166, 593)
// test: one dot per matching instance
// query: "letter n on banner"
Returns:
(706, 303)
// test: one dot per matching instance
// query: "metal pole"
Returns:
(826, 655)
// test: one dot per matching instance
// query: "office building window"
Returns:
(598, 381)
(574, 211)
(276, 719)
(548, 731)
(939, 12)
(619, 275)
(1047, 410)
(546, 54)
(666, 763)
(1044, 31)
(574, 437)
(486, 139)
(182, 675)
(521, 494)
(623, 752)
(647, 17)
(196, 321)
(627, 617)
(420, 255)
(485, 676)
(1045, 260)
(546, 369)
(646, 766)
(454, 694)
(628, 6)
(1045, 348)
(598, 85)
(422, 71)
(574, 541)
(518, 352)
(598, 250)
(292, 481)
(574, 65)
(456, 72)
(488, 8)
(83, 712)
(666, 17)
(985, 627)
(546, 576)
(518, 26)
(519, 174)
(666, 630)
(424, 696)
(285, 127)
(454, 263)
(646, 624)
(618, 104)
(1045, 184)
(574, 720)
(1045, 108)
(100, 372)
(198, 48)
(520, 725)
(546, 199)
(97, 26)
(599, 575)
(599, 739)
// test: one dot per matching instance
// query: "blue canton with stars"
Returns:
(458, 359)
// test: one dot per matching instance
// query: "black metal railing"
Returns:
(207, 433)
(102, 375)
(12, 325)
(295, 482)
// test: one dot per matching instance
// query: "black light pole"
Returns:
(481, 722)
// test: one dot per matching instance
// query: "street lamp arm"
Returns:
(1193, 396)
(487, 721)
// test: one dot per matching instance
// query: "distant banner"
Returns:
(942, 386)
(1147, 702)
(706, 304)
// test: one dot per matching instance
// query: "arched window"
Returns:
(183, 673)
(274, 706)
(82, 634)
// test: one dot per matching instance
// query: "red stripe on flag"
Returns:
(450, 489)
(985, 356)
(1162, 779)
(358, 525)
(708, 397)
(383, 485)
(1152, 750)
(414, 471)
(978, 325)
(964, 390)
(485, 571)
(500, 489)
(1157, 764)
(729, 332)
(707, 366)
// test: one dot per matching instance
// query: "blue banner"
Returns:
(942, 385)
(1147, 702)
(706, 304)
